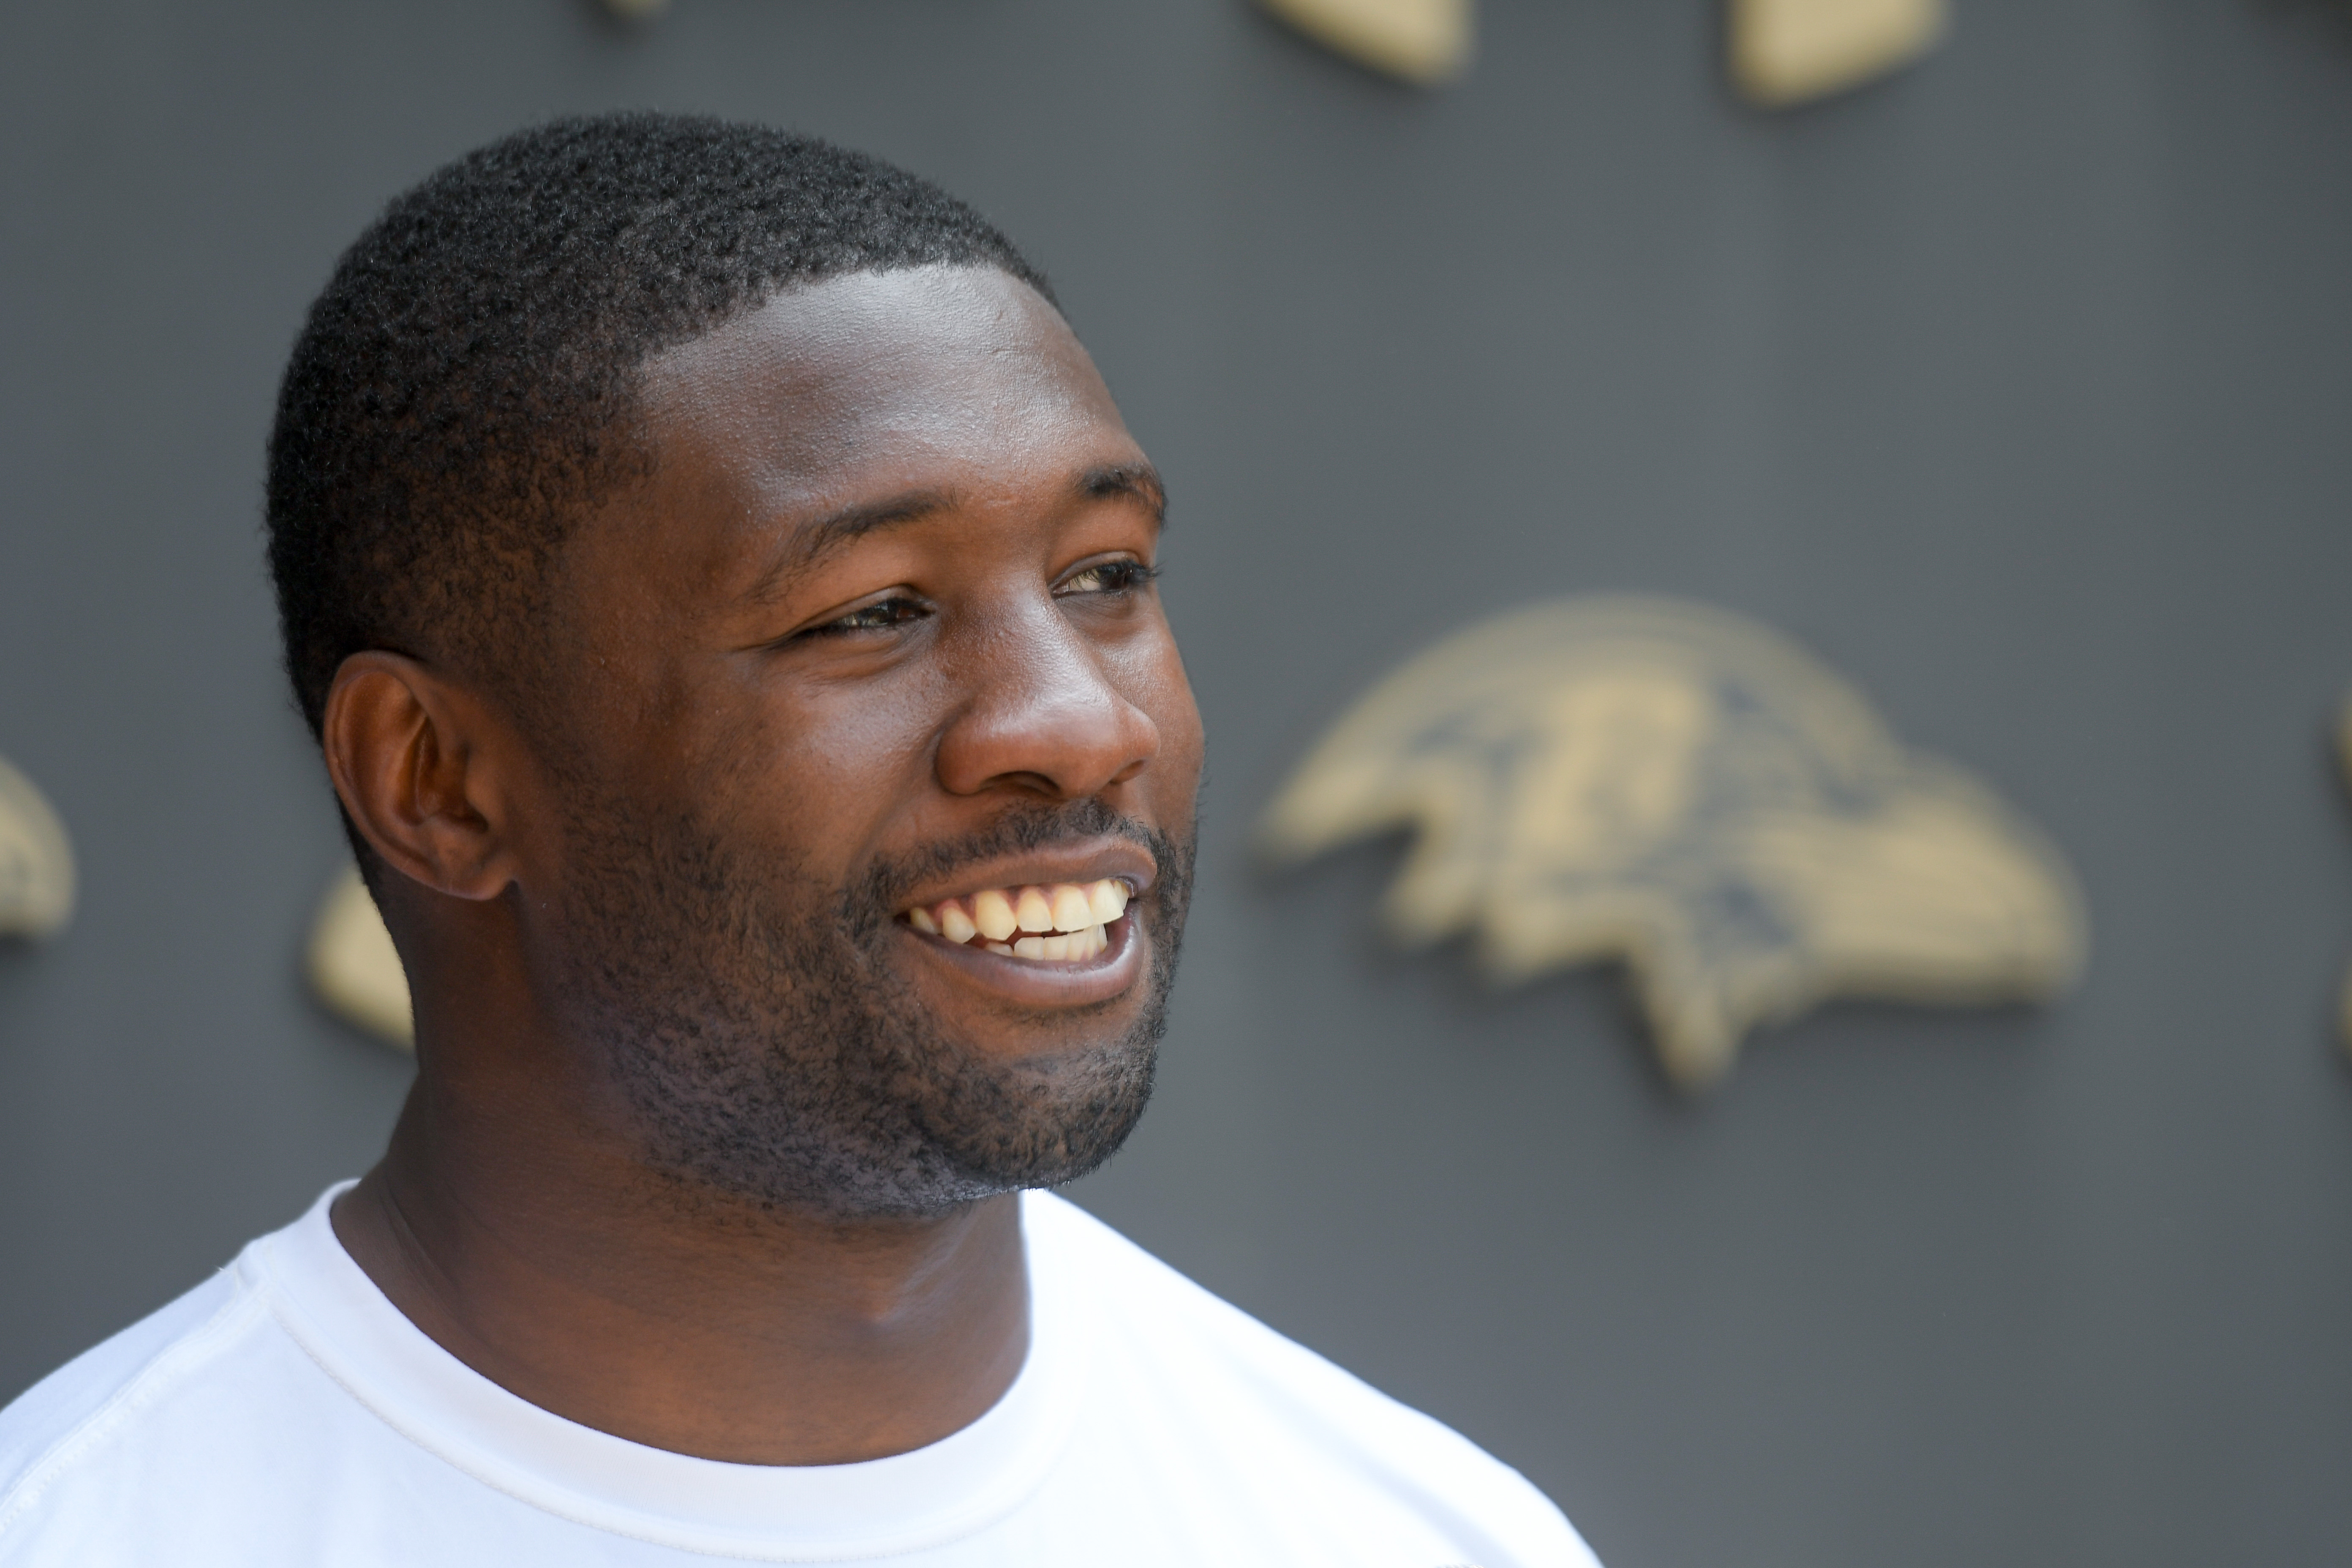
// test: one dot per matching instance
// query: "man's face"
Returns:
(874, 650)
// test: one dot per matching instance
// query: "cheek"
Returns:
(1152, 672)
(830, 768)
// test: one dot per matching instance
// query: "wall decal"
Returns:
(1422, 41)
(37, 865)
(353, 967)
(1786, 52)
(1688, 791)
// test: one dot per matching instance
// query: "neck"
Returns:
(547, 1258)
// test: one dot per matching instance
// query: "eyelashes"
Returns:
(882, 615)
(1108, 577)
(1105, 579)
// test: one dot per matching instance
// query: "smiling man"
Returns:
(722, 589)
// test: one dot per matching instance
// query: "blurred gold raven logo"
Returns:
(354, 968)
(1679, 787)
(1780, 52)
(36, 867)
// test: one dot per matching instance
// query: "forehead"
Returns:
(878, 377)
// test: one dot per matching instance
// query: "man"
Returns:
(721, 588)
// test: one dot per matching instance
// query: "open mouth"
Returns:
(1060, 923)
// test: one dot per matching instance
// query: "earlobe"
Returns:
(414, 760)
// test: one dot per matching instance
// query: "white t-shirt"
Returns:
(285, 1413)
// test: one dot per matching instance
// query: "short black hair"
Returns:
(467, 384)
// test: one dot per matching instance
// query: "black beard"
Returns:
(768, 1052)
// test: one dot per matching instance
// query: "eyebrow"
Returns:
(812, 540)
(1138, 481)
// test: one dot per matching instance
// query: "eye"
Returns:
(1120, 576)
(881, 616)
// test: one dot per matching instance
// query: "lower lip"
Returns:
(1045, 982)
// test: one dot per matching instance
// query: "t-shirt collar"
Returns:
(904, 1503)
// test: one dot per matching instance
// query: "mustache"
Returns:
(875, 896)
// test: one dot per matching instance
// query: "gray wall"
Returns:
(2018, 386)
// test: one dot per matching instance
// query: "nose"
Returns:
(1043, 715)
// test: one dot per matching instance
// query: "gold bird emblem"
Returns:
(1788, 52)
(354, 969)
(1780, 52)
(1426, 42)
(1684, 790)
(37, 865)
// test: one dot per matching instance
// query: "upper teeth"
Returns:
(1067, 917)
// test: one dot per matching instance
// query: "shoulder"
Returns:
(1239, 1374)
(71, 1418)
(134, 1450)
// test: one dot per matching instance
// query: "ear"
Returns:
(419, 764)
